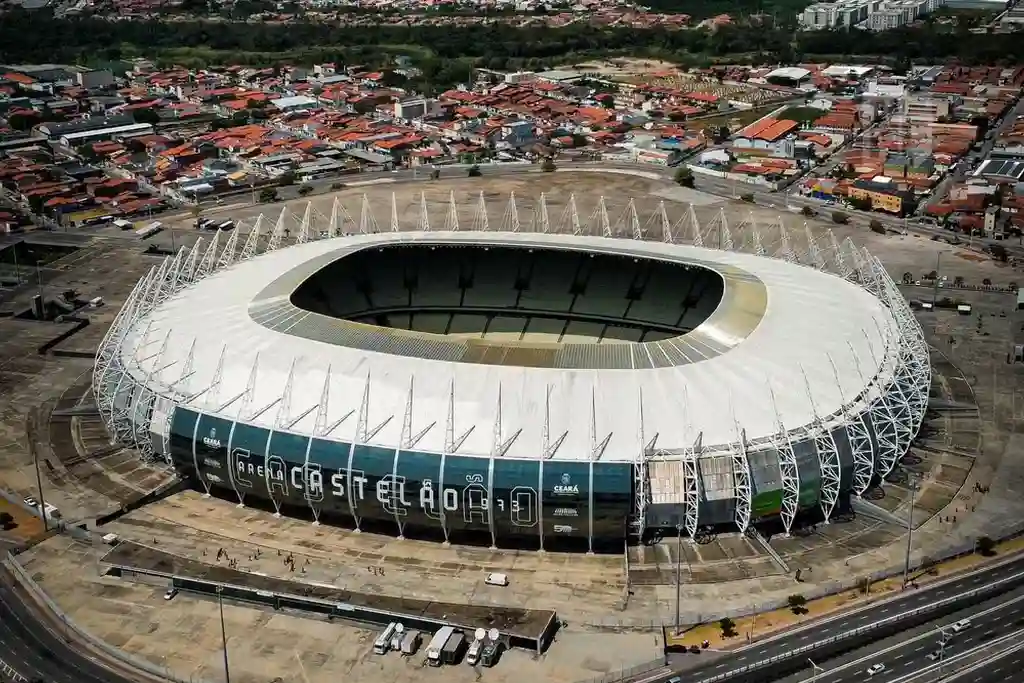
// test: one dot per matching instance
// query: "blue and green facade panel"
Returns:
(547, 501)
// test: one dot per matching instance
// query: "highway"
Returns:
(822, 629)
(32, 650)
(1005, 668)
(908, 652)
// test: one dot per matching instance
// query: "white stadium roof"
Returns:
(813, 325)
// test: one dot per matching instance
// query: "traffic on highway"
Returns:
(931, 646)
(726, 666)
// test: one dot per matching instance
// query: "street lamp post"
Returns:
(679, 558)
(223, 634)
(942, 648)
(910, 529)
(815, 671)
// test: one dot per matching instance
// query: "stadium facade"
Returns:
(447, 383)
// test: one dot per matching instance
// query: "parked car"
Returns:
(171, 592)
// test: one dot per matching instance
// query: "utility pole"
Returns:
(910, 529)
(223, 634)
(39, 485)
(942, 648)
(679, 560)
(935, 285)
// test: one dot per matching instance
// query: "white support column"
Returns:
(640, 473)
(884, 422)
(334, 227)
(692, 485)
(398, 511)
(695, 232)
(789, 472)
(306, 226)
(312, 474)
(742, 484)
(785, 251)
(251, 245)
(755, 230)
(209, 260)
(227, 255)
(424, 218)
(277, 234)
(863, 452)
(396, 223)
(541, 222)
(367, 221)
(813, 256)
(634, 221)
(842, 266)
(574, 216)
(362, 423)
(189, 267)
(510, 219)
(666, 225)
(828, 455)
(451, 222)
(602, 217)
(481, 221)
(724, 236)
(497, 440)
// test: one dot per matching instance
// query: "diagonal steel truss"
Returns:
(132, 372)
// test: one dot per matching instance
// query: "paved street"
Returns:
(823, 629)
(1005, 668)
(31, 649)
(908, 652)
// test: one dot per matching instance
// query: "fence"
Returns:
(127, 659)
(873, 631)
(9, 673)
(919, 562)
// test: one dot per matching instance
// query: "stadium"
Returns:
(520, 387)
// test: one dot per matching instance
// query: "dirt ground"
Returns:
(26, 525)
(625, 67)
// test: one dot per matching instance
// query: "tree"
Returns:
(931, 275)
(958, 281)
(908, 278)
(684, 177)
(728, 627)
(999, 252)
(286, 178)
(6, 521)
(1012, 286)
(797, 603)
(986, 546)
(268, 195)
(548, 165)
(305, 189)
(876, 226)
(149, 116)
(748, 198)
(986, 282)
(840, 217)
(807, 211)
(473, 171)
(864, 585)
(435, 173)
